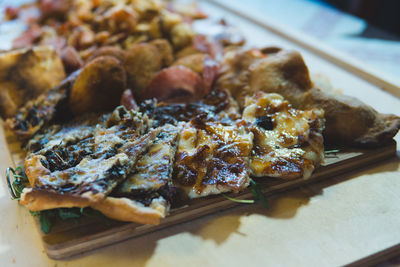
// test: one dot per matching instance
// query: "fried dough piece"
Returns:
(71, 59)
(98, 87)
(112, 51)
(348, 120)
(234, 71)
(25, 74)
(143, 61)
(284, 73)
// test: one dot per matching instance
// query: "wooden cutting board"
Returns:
(68, 238)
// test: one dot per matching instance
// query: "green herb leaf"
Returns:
(45, 222)
(95, 214)
(257, 192)
(47, 217)
(245, 201)
(34, 213)
(66, 214)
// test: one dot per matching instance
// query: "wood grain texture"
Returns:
(67, 239)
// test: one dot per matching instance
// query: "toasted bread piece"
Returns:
(25, 74)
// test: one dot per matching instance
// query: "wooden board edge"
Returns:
(378, 257)
(345, 61)
(215, 204)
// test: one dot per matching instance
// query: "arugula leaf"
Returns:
(45, 222)
(66, 214)
(257, 192)
(46, 217)
(245, 201)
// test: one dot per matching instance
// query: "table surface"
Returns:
(334, 222)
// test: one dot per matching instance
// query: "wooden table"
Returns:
(330, 223)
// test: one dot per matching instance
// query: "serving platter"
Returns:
(66, 240)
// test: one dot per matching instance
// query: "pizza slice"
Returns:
(146, 194)
(37, 113)
(218, 105)
(83, 170)
(211, 158)
(288, 142)
(153, 170)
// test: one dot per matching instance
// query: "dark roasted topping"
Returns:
(265, 122)
(162, 113)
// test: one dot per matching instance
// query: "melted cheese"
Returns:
(153, 169)
(105, 153)
(293, 146)
(212, 158)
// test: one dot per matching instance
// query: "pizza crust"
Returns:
(125, 209)
(34, 169)
(37, 200)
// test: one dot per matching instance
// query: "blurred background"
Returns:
(381, 13)
(368, 30)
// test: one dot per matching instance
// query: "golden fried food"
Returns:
(25, 74)
(202, 64)
(112, 51)
(98, 87)
(71, 59)
(348, 120)
(176, 84)
(143, 61)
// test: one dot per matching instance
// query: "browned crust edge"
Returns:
(124, 209)
(37, 200)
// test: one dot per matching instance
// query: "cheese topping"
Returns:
(153, 169)
(212, 158)
(288, 143)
